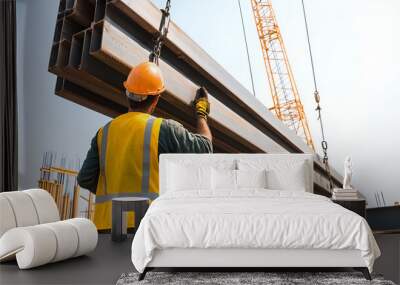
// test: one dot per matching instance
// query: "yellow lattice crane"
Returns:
(287, 105)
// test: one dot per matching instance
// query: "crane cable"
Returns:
(162, 33)
(324, 143)
(247, 48)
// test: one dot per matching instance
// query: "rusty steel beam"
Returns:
(62, 6)
(69, 4)
(73, 62)
(109, 78)
(81, 96)
(90, 100)
(65, 29)
(80, 11)
(168, 107)
(95, 49)
(100, 10)
(77, 66)
(59, 65)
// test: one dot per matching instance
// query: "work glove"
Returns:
(201, 104)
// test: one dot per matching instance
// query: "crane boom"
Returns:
(287, 105)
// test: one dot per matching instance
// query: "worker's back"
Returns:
(123, 157)
(128, 154)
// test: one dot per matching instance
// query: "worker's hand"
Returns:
(201, 103)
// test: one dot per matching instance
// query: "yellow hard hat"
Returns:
(145, 79)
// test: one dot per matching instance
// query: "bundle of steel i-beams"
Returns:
(97, 42)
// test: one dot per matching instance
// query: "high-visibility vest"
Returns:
(128, 153)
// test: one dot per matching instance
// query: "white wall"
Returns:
(46, 121)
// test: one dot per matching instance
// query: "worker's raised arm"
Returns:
(203, 129)
(202, 108)
(175, 138)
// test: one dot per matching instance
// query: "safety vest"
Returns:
(128, 153)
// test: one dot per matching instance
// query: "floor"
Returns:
(110, 259)
(389, 263)
(251, 278)
(103, 266)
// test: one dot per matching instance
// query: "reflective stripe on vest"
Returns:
(145, 166)
(146, 155)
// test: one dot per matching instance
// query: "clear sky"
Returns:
(356, 47)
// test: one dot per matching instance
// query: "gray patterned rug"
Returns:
(230, 278)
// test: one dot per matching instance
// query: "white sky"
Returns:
(356, 48)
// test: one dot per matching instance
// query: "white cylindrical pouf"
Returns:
(87, 234)
(23, 207)
(33, 246)
(66, 237)
(45, 206)
(7, 217)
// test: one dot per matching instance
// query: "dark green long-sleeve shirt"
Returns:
(173, 138)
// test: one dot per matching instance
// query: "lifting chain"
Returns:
(324, 143)
(162, 33)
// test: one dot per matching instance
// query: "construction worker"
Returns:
(123, 157)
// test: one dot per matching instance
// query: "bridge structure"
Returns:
(97, 42)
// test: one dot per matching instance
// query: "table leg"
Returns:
(117, 222)
(140, 211)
